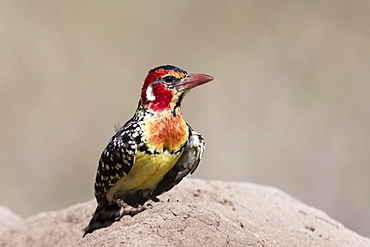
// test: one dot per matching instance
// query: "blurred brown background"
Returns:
(289, 106)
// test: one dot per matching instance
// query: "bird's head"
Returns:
(165, 86)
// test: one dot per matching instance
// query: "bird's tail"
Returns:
(104, 215)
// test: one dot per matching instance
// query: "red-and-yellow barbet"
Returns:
(152, 152)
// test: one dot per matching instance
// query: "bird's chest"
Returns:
(146, 173)
(166, 132)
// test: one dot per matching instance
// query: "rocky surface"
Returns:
(199, 213)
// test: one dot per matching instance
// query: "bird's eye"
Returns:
(169, 78)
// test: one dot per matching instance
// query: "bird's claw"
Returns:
(130, 210)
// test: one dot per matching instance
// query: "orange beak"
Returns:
(193, 80)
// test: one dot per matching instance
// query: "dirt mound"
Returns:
(200, 213)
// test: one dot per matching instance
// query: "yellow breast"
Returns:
(146, 173)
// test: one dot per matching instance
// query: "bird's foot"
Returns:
(130, 210)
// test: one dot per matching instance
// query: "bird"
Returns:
(152, 152)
